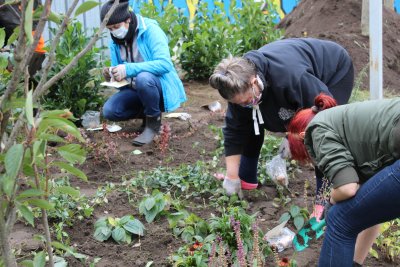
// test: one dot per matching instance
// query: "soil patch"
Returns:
(340, 21)
(191, 141)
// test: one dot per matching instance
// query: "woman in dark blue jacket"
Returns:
(266, 87)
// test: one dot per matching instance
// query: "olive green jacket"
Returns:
(351, 143)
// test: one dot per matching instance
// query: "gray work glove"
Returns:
(284, 149)
(106, 74)
(232, 186)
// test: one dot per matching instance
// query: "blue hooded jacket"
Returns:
(153, 47)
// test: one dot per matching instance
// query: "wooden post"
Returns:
(375, 50)
(365, 18)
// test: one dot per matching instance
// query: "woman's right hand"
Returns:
(106, 74)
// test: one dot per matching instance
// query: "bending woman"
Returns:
(265, 88)
(357, 147)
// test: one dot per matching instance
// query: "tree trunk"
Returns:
(6, 250)
(48, 238)
(365, 18)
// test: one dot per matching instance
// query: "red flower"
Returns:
(194, 247)
(284, 262)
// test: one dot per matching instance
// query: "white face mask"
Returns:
(120, 33)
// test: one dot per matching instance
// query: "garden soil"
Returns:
(340, 21)
(192, 140)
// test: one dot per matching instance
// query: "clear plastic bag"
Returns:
(91, 119)
(280, 237)
(276, 169)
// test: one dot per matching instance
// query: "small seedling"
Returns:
(153, 205)
(297, 214)
(120, 229)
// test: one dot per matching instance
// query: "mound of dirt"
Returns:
(340, 21)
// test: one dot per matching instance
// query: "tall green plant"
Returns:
(254, 27)
(24, 137)
(171, 21)
(215, 36)
(211, 39)
(79, 89)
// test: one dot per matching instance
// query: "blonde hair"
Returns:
(232, 76)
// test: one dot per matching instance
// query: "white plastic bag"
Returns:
(276, 169)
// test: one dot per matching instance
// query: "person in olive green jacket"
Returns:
(357, 147)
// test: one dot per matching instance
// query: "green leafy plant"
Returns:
(188, 226)
(388, 242)
(185, 180)
(234, 239)
(211, 39)
(154, 205)
(68, 202)
(219, 201)
(214, 36)
(171, 21)
(257, 34)
(192, 255)
(120, 229)
(297, 214)
(222, 227)
(24, 135)
(79, 90)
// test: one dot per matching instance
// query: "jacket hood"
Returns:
(262, 67)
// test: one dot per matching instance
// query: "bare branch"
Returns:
(8, 255)
(18, 69)
(38, 31)
(22, 58)
(43, 89)
(40, 91)
(54, 44)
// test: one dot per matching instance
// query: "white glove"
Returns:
(232, 186)
(119, 72)
(284, 149)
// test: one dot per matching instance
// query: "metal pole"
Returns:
(375, 49)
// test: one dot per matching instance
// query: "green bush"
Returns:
(214, 36)
(211, 39)
(171, 21)
(202, 43)
(79, 89)
(255, 28)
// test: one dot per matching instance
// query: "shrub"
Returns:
(211, 39)
(170, 20)
(202, 43)
(214, 36)
(78, 90)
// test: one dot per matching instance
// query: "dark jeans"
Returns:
(377, 201)
(145, 99)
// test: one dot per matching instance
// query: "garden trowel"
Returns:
(312, 230)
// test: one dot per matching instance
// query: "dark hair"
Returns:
(300, 122)
(120, 14)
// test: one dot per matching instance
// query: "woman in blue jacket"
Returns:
(140, 54)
